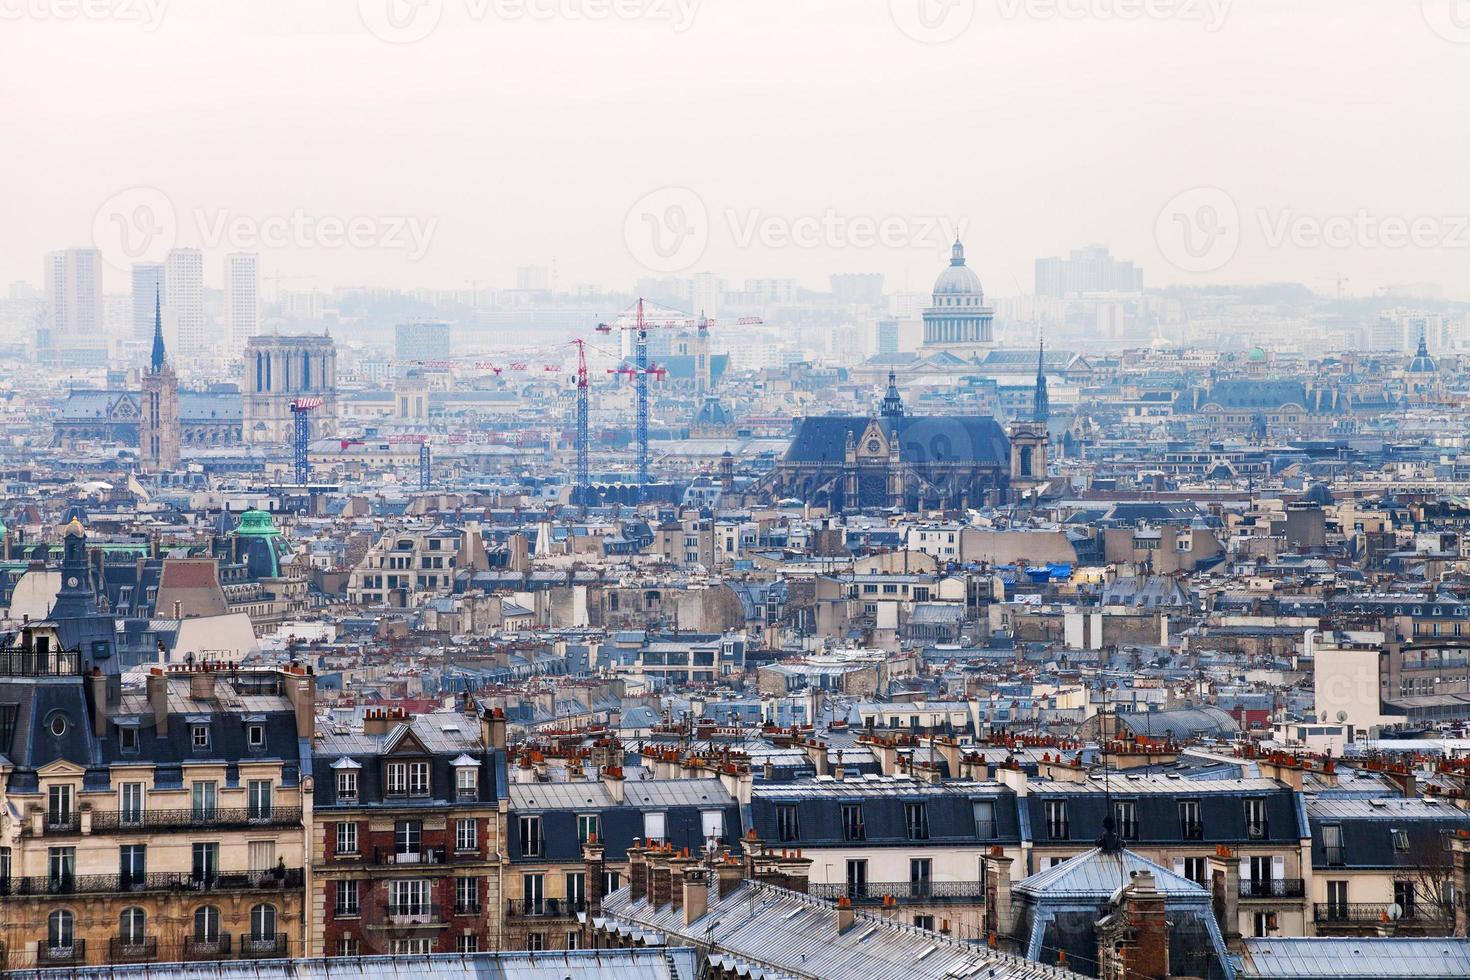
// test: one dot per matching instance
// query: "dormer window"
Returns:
(418, 779)
(127, 738)
(347, 785)
(466, 778)
(199, 737)
(255, 735)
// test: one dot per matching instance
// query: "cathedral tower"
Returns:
(159, 432)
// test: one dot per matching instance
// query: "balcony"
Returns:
(49, 955)
(1359, 915)
(1257, 829)
(1192, 831)
(264, 948)
(61, 823)
(141, 950)
(192, 820)
(466, 908)
(549, 908)
(874, 892)
(166, 881)
(389, 856)
(413, 914)
(1272, 888)
(196, 949)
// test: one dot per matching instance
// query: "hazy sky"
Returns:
(754, 138)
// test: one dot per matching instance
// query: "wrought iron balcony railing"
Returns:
(187, 820)
(1272, 888)
(142, 949)
(902, 891)
(217, 948)
(165, 881)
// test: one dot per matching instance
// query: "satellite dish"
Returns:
(1342, 716)
(1395, 912)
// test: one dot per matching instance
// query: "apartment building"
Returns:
(546, 876)
(1180, 823)
(899, 843)
(408, 564)
(407, 836)
(1383, 860)
(162, 825)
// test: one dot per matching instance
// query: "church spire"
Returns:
(892, 404)
(1041, 400)
(159, 356)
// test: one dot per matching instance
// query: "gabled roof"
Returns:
(1097, 874)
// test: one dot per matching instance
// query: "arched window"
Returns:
(206, 924)
(61, 930)
(132, 926)
(263, 922)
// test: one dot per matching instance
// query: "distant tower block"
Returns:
(278, 370)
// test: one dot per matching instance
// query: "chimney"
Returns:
(660, 880)
(846, 917)
(637, 872)
(612, 778)
(593, 867)
(998, 894)
(1460, 859)
(1224, 868)
(494, 729)
(201, 684)
(1136, 932)
(158, 699)
(729, 875)
(696, 894)
(304, 701)
(99, 703)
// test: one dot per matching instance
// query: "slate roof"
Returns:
(1373, 957)
(1098, 874)
(760, 925)
(967, 439)
(591, 964)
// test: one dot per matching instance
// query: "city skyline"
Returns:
(1120, 121)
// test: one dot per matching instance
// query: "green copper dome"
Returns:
(257, 524)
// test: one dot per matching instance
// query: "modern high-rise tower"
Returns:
(183, 301)
(74, 294)
(242, 298)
